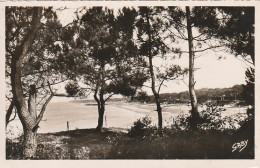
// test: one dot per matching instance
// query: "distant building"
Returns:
(223, 100)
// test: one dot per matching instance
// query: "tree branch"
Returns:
(160, 85)
(52, 84)
(9, 112)
(209, 48)
(109, 97)
(185, 83)
(15, 112)
(147, 86)
(38, 120)
(244, 59)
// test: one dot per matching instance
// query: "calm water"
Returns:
(117, 114)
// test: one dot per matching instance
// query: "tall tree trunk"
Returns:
(159, 111)
(28, 121)
(155, 93)
(101, 116)
(30, 142)
(30, 131)
(193, 98)
(98, 102)
(101, 99)
(101, 110)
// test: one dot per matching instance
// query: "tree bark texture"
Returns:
(101, 117)
(27, 117)
(193, 98)
(30, 143)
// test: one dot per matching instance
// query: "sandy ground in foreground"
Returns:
(117, 114)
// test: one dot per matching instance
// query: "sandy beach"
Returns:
(82, 115)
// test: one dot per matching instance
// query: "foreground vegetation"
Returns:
(215, 139)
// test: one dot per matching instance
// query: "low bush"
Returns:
(14, 149)
(72, 88)
(142, 128)
(214, 139)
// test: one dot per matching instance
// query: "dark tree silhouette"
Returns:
(27, 41)
(233, 26)
(106, 55)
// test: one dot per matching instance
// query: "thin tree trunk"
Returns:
(101, 117)
(159, 111)
(155, 93)
(101, 99)
(101, 110)
(9, 112)
(132, 98)
(193, 98)
(98, 103)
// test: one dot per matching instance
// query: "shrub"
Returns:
(14, 149)
(210, 141)
(181, 122)
(72, 88)
(142, 96)
(211, 119)
(142, 127)
(174, 142)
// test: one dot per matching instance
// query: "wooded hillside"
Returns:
(204, 94)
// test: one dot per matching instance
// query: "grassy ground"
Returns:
(81, 144)
(117, 144)
(75, 144)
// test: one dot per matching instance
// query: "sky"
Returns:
(211, 72)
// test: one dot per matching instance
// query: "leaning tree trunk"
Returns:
(26, 115)
(193, 98)
(155, 93)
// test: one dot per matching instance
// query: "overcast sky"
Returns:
(211, 73)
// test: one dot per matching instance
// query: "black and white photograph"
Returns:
(131, 82)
